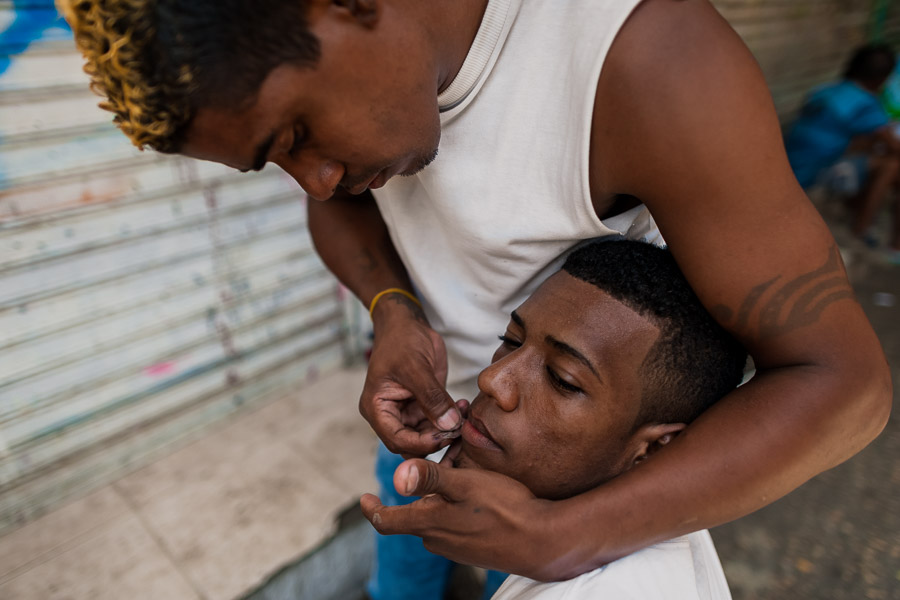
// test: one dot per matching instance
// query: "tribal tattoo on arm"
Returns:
(777, 307)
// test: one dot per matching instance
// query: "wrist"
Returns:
(394, 305)
(389, 291)
(571, 546)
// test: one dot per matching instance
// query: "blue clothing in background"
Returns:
(404, 569)
(832, 116)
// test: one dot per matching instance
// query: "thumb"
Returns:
(419, 477)
(437, 404)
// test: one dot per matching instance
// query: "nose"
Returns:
(499, 382)
(317, 176)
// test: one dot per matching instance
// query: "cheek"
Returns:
(570, 473)
(384, 136)
(561, 462)
(412, 121)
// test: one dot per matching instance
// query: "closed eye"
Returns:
(509, 342)
(561, 384)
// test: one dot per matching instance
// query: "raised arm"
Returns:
(408, 358)
(684, 121)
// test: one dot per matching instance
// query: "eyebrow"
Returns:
(567, 349)
(261, 156)
(560, 346)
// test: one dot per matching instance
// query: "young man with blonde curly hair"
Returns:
(556, 122)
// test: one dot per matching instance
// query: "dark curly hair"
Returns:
(695, 362)
(157, 61)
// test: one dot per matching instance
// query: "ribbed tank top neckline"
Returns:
(498, 15)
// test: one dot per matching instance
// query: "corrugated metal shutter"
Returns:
(887, 26)
(798, 43)
(142, 296)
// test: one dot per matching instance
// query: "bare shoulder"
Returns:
(684, 121)
(675, 71)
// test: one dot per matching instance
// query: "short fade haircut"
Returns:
(694, 362)
(871, 64)
(157, 61)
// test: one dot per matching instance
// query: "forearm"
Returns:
(353, 242)
(758, 444)
(408, 358)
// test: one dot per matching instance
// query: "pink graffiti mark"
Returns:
(160, 369)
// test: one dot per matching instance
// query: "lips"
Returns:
(358, 185)
(379, 180)
(475, 433)
(359, 188)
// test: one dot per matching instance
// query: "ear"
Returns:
(365, 12)
(649, 438)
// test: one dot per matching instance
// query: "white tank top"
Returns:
(490, 218)
(686, 568)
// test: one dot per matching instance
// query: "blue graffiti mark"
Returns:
(34, 20)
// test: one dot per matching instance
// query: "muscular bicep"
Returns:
(685, 122)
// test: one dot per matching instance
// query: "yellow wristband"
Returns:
(391, 291)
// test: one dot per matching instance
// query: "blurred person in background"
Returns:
(551, 131)
(845, 123)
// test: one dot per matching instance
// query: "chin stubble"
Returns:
(421, 163)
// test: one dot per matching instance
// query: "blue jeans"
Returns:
(403, 569)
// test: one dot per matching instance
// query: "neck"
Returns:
(452, 27)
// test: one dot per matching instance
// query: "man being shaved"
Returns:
(604, 364)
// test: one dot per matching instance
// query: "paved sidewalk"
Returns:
(212, 520)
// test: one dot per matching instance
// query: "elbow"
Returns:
(856, 397)
(875, 400)
(883, 402)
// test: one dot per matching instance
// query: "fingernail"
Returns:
(449, 420)
(440, 436)
(412, 480)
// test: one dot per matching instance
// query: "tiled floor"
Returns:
(212, 520)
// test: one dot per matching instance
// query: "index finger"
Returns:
(408, 441)
(435, 402)
(416, 518)
(401, 435)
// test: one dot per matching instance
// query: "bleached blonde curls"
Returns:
(118, 41)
